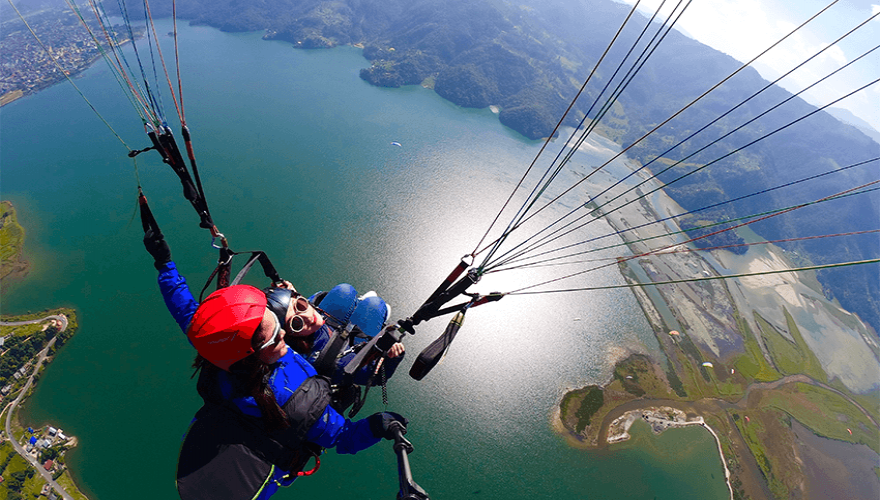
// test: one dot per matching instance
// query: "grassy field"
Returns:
(11, 238)
(26, 330)
(67, 483)
(826, 413)
(752, 364)
(20, 331)
(870, 402)
(791, 358)
(768, 436)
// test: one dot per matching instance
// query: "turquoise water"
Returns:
(296, 160)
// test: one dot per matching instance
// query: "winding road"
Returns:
(10, 408)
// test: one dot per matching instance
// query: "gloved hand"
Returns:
(380, 423)
(157, 246)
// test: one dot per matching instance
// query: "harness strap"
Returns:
(224, 265)
(326, 362)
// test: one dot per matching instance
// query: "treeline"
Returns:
(16, 481)
(20, 349)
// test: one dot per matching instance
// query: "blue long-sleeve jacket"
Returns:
(332, 430)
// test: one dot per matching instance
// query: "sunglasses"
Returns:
(274, 337)
(278, 300)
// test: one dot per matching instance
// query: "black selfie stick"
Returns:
(409, 490)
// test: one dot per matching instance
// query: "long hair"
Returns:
(250, 377)
(301, 345)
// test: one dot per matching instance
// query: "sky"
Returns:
(745, 28)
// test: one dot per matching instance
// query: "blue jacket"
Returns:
(332, 430)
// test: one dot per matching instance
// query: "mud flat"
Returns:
(835, 469)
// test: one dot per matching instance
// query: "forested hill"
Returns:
(530, 57)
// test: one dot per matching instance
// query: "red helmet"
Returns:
(223, 325)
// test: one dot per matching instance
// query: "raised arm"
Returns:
(179, 300)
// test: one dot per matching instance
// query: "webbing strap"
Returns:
(225, 263)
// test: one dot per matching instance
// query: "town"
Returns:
(25, 65)
(32, 460)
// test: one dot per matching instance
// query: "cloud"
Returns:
(875, 9)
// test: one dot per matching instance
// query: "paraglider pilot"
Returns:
(266, 412)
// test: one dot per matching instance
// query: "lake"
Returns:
(296, 159)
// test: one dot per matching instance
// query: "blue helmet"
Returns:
(342, 305)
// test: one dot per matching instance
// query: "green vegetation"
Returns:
(17, 479)
(870, 402)
(11, 240)
(12, 463)
(675, 383)
(826, 413)
(66, 482)
(760, 425)
(592, 402)
(766, 429)
(752, 364)
(22, 343)
(790, 357)
(636, 374)
(6, 454)
(765, 434)
(588, 401)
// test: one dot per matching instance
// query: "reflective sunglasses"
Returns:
(278, 301)
(273, 339)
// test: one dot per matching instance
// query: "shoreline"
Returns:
(654, 416)
(14, 266)
(54, 473)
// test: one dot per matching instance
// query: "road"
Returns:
(62, 319)
(10, 408)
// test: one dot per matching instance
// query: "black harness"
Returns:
(227, 451)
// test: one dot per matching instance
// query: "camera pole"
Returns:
(409, 490)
